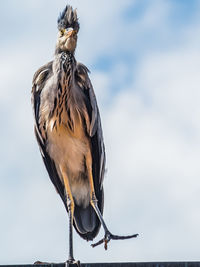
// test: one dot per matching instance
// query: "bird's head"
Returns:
(68, 28)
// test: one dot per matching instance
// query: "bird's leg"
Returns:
(70, 206)
(93, 201)
(108, 235)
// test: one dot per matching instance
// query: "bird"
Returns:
(68, 130)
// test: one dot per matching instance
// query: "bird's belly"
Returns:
(69, 152)
(66, 149)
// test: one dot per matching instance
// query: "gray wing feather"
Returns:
(95, 131)
(39, 81)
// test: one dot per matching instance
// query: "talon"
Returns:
(106, 244)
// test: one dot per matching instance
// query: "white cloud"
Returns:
(152, 136)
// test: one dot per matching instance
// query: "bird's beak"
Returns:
(71, 33)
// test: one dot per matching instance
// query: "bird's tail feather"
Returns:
(85, 219)
(86, 222)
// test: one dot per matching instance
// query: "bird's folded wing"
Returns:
(39, 81)
(95, 129)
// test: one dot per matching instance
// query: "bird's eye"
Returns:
(62, 31)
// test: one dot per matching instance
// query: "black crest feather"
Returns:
(68, 18)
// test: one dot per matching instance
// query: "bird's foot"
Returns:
(72, 262)
(108, 236)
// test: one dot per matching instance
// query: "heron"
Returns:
(68, 130)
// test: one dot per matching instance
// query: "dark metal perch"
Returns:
(118, 264)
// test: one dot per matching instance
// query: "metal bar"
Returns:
(122, 264)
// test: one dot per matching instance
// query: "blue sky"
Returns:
(144, 60)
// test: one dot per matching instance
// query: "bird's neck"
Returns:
(64, 59)
(60, 50)
(64, 67)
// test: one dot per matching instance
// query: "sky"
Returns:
(144, 58)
